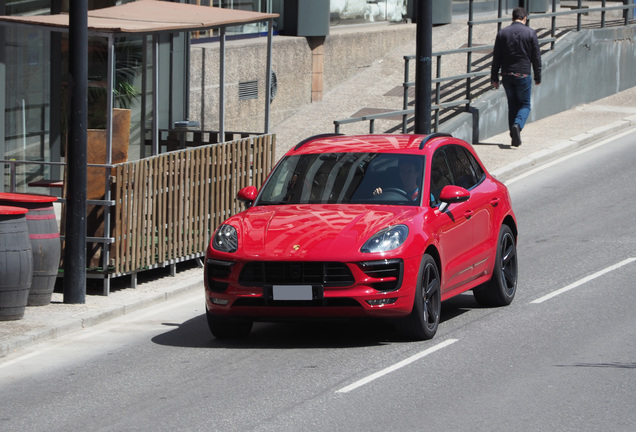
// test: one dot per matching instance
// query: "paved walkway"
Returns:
(542, 140)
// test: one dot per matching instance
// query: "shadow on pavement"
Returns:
(309, 334)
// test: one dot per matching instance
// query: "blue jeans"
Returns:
(518, 92)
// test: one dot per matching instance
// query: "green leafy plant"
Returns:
(128, 61)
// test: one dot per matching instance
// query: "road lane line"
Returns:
(584, 280)
(396, 366)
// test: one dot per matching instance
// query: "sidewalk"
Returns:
(551, 137)
(542, 140)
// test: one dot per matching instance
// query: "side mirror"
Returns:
(452, 194)
(247, 195)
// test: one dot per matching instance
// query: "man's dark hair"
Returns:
(519, 13)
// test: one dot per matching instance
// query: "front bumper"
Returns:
(379, 288)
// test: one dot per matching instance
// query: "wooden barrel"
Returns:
(45, 242)
(16, 262)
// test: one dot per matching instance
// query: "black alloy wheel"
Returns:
(423, 321)
(501, 289)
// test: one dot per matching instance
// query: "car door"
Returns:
(468, 174)
(452, 228)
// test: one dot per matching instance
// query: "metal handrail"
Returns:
(469, 75)
(13, 163)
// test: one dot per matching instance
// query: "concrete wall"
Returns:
(585, 66)
(345, 53)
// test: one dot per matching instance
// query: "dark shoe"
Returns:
(515, 134)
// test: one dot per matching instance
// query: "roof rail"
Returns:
(432, 136)
(311, 138)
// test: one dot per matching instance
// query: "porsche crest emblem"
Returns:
(296, 247)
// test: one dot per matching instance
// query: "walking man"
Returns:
(516, 49)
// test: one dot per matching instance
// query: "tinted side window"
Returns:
(479, 172)
(463, 170)
(440, 176)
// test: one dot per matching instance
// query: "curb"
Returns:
(94, 317)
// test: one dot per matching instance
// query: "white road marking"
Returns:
(584, 280)
(396, 366)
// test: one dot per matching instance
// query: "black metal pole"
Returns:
(423, 66)
(75, 248)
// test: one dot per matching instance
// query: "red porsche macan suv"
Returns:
(364, 226)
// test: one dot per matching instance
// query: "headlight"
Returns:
(225, 239)
(386, 240)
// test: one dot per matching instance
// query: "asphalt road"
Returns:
(561, 357)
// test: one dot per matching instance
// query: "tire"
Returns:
(423, 320)
(501, 288)
(228, 328)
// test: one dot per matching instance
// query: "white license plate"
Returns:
(292, 292)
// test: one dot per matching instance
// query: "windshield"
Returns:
(345, 178)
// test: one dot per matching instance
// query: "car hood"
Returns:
(314, 232)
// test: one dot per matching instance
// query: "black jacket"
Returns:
(516, 49)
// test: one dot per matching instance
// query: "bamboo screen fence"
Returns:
(168, 206)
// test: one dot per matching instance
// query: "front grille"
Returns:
(328, 274)
(388, 270)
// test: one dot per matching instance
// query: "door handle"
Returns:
(468, 214)
(494, 202)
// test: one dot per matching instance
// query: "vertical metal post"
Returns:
(55, 86)
(202, 114)
(144, 91)
(110, 82)
(438, 91)
(155, 95)
(405, 96)
(553, 29)
(186, 72)
(424, 51)
(268, 79)
(222, 85)
(469, 54)
(603, 4)
(75, 250)
(110, 79)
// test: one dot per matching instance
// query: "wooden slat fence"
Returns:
(168, 206)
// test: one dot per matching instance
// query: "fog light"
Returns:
(380, 302)
(219, 301)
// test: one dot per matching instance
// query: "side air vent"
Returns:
(388, 273)
(217, 274)
(248, 90)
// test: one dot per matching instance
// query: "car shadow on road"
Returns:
(194, 333)
(310, 334)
